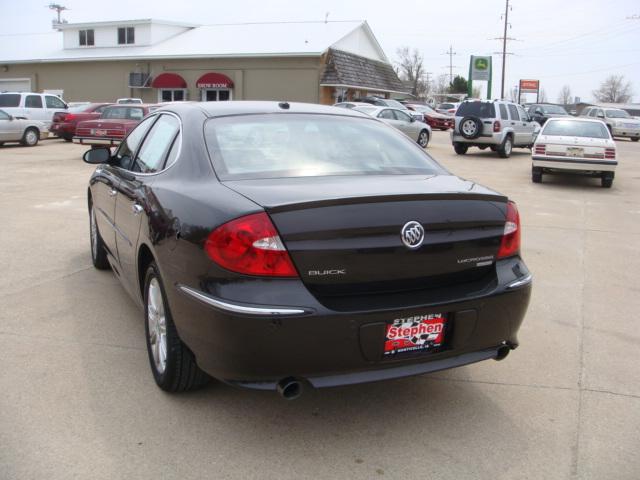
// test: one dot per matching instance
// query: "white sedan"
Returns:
(17, 129)
(574, 145)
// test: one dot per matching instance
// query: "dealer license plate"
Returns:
(575, 152)
(415, 334)
(99, 133)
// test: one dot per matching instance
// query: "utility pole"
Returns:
(504, 39)
(451, 53)
(58, 8)
(427, 83)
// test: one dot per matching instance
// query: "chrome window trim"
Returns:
(235, 308)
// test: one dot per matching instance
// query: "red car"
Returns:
(435, 120)
(113, 125)
(64, 123)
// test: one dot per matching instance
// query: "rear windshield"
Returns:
(477, 109)
(9, 100)
(367, 110)
(80, 108)
(303, 145)
(555, 109)
(575, 128)
(617, 114)
(123, 113)
(395, 104)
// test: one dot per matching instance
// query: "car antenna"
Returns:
(284, 105)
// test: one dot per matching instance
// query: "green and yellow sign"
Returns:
(480, 69)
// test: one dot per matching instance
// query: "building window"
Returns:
(216, 95)
(171, 95)
(126, 35)
(86, 38)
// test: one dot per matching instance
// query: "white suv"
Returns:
(33, 106)
(498, 125)
(618, 121)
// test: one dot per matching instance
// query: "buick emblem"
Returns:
(412, 234)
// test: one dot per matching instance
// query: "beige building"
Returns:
(318, 62)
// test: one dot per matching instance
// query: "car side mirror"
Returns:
(600, 115)
(412, 119)
(538, 111)
(97, 155)
(11, 118)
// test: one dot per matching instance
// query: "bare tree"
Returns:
(542, 96)
(565, 97)
(614, 90)
(410, 69)
(441, 84)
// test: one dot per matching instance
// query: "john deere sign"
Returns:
(480, 69)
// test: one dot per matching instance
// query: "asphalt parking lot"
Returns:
(77, 399)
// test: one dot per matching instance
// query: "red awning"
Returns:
(214, 80)
(169, 80)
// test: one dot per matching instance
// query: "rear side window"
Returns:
(402, 116)
(156, 145)
(476, 109)
(126, 150)
(33, 101)
(503, 112)
(592, 112)
(513, 111)
(9, 100)
(54, 102)
(387, 114)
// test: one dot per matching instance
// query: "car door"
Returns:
(5, 121)
(528, 127)
(105, 187)
(133, 202)
(53, 104)
(515, 124)
(34, 107)
(406, 124)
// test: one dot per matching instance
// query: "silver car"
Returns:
(17, 129)
(418, 131)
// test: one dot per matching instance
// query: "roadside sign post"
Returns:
(480, 68)
(529, 86)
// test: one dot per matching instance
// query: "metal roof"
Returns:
(274, 39)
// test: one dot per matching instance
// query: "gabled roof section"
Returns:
(363, 42)
(274, 39)
(344, 69)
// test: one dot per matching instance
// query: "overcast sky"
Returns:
(573, 42)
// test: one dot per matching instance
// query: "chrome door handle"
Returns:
(137, 209)
(113, 192)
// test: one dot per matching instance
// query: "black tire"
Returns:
(536, 175)
(460, 148)
(30, 137)
(423, 138)
(493, 148)
(634, 139)
(470, 127)
(1, 143)
(504, 150)
(180, 373)
(606, 180)
(68, 138)
(98, 250)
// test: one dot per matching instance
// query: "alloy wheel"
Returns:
(157, 323)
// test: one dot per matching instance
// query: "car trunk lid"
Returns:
(344, 233)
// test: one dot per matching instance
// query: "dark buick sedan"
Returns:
(273, 245)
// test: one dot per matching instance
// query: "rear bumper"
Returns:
(97, 141)
(327, 348)
(62, 129)
(577, 164)
(493, 139)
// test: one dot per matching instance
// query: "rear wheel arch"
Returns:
(145, 257)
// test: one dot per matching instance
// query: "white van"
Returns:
(33, 106)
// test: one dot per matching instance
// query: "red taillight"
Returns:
(510, 244)
(610, 153)
(250, 245)
(540, 149)
(497, 126)
(68, 117)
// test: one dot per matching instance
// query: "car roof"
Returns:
(249, 107)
